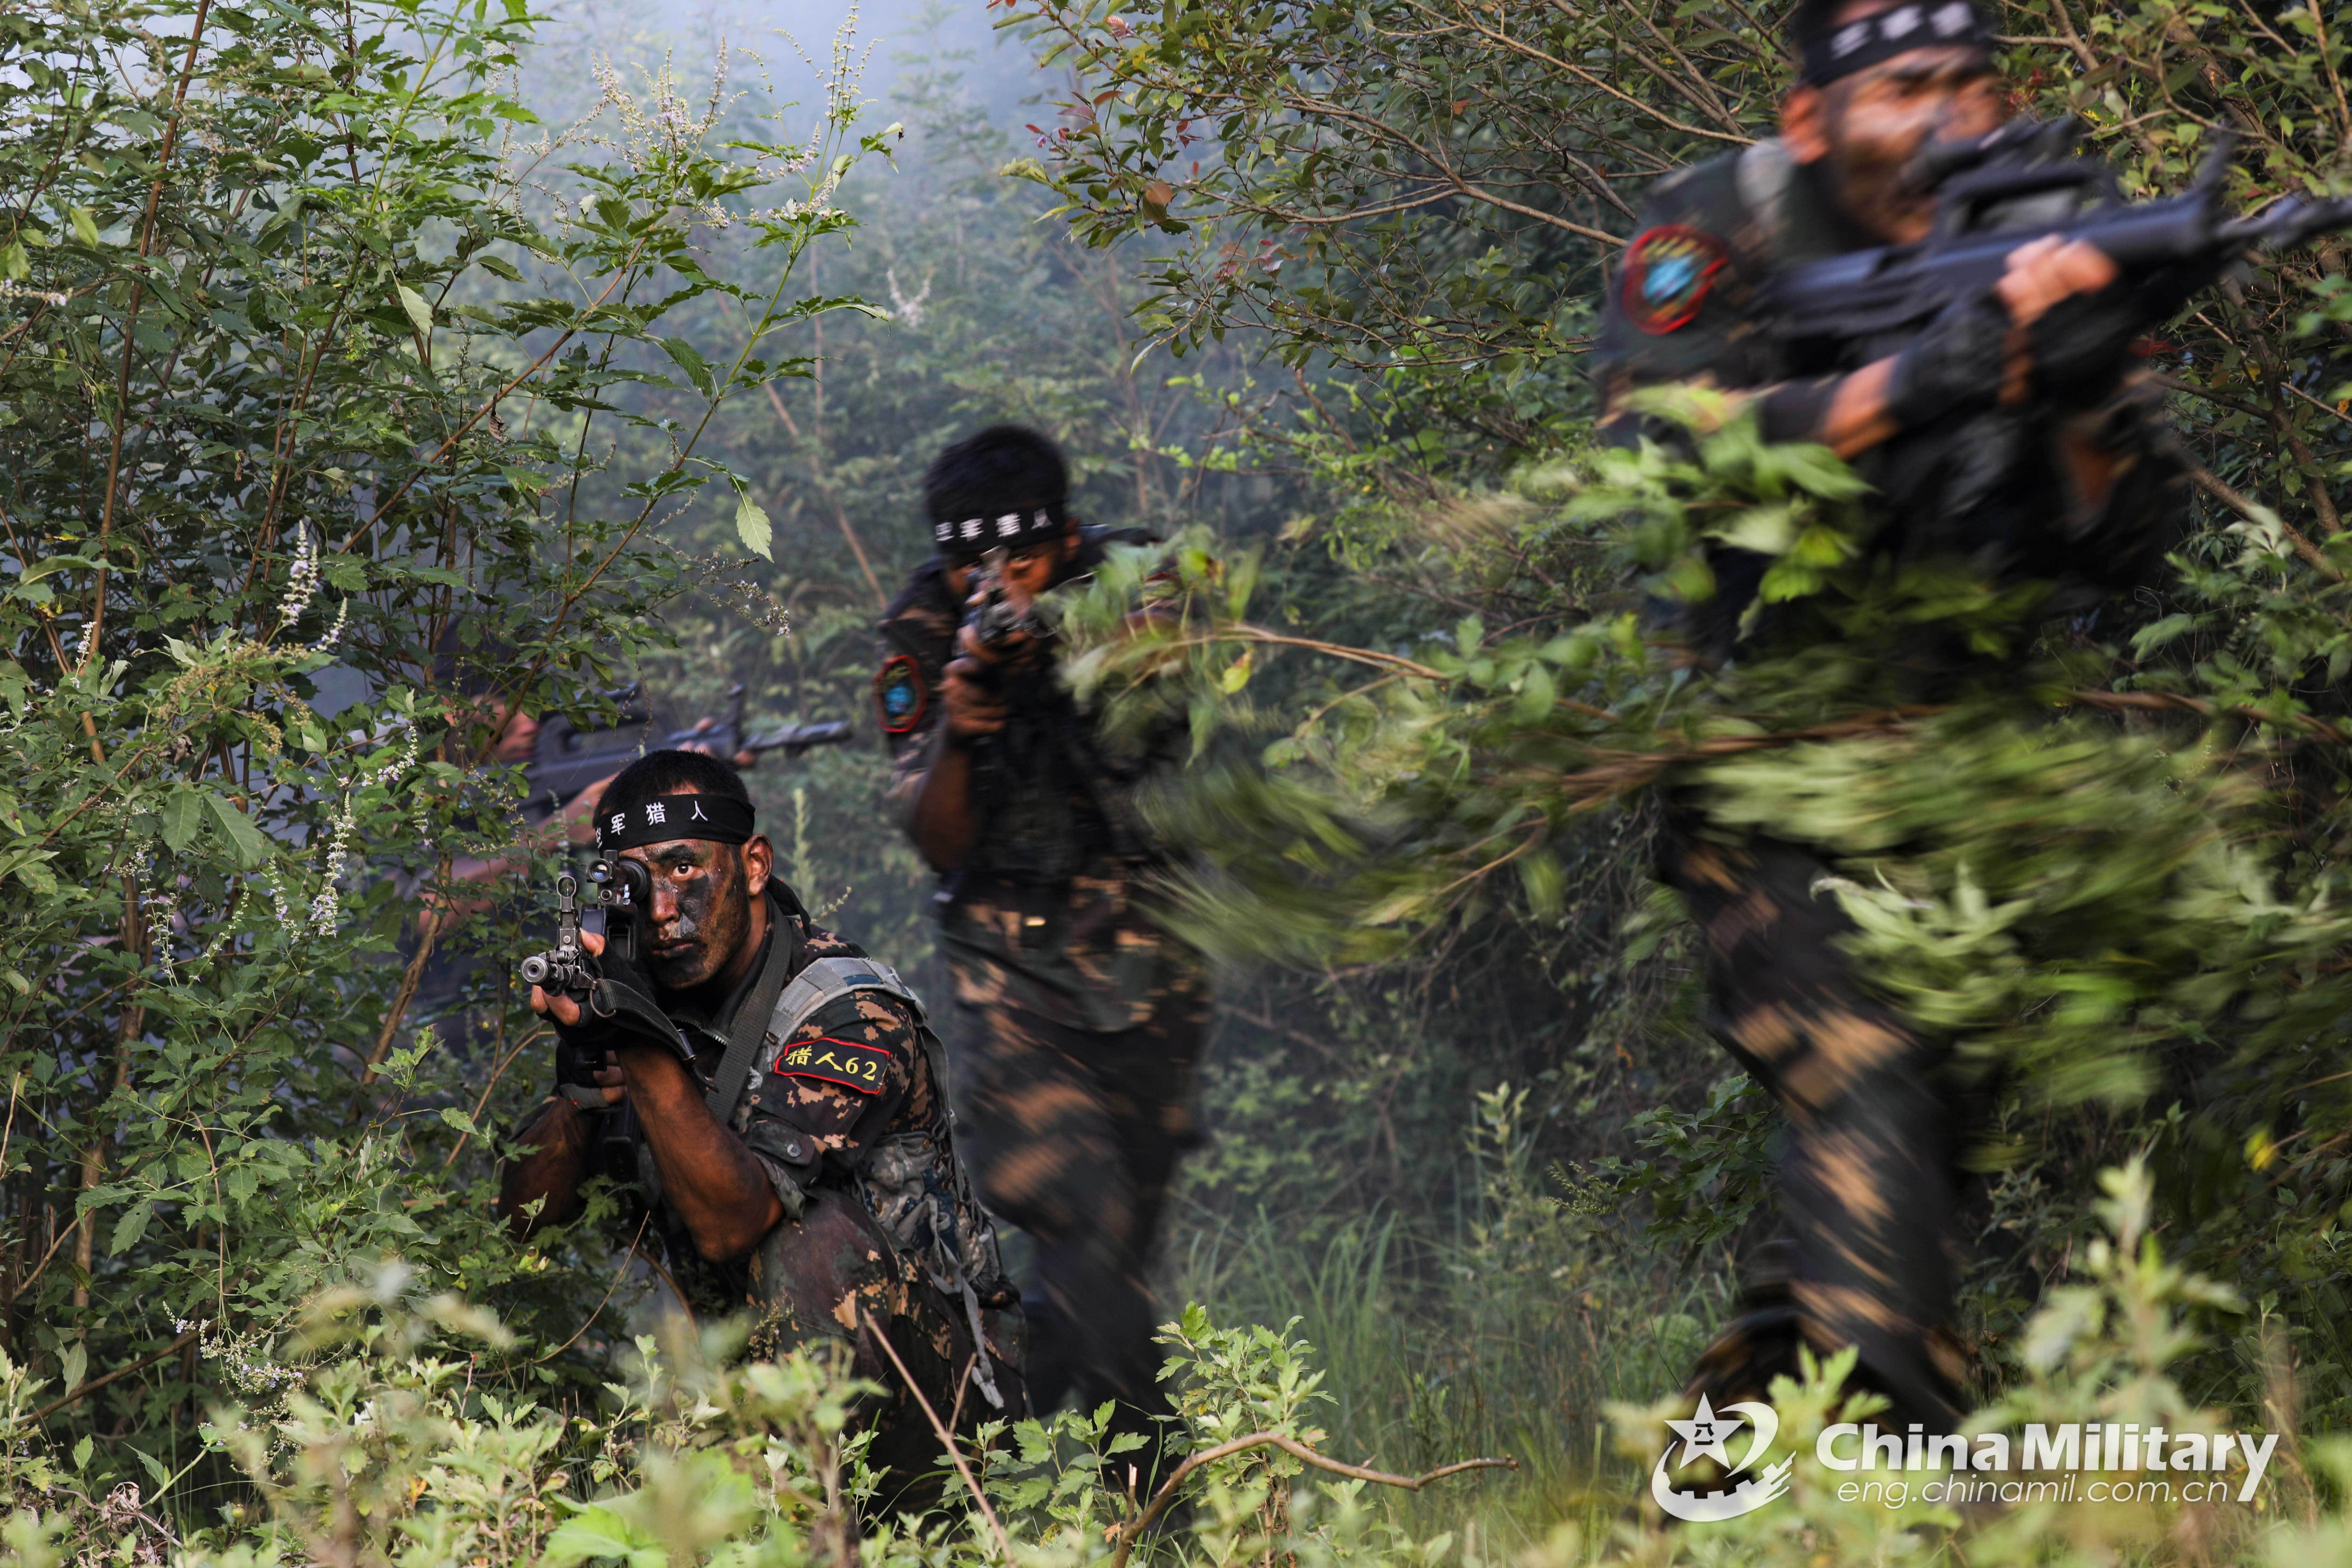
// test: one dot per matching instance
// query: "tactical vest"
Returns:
(911, 1181)
(1054, 800)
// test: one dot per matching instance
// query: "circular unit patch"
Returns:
(1668, 271)
(899, 693)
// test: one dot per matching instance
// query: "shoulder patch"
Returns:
(1668, 271)
(899, 693)
(861, 1068)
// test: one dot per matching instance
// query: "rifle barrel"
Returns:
(801, 737)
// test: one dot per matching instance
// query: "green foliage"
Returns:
(2096, 908)
(295, 404)
(1418, 190)
(388, 1454)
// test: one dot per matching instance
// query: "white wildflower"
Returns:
(12, 289)
(281, 899)
(334, 633)
(301, 580)
(910, 312)
(324, 907)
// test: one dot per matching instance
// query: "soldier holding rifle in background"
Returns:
(1952, 305)
(1076, 1073)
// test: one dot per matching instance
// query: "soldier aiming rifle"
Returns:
(1077, 1065)
(778, 1099)
(1952, 305)
(568, 762)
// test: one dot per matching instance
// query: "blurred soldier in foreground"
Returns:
(777, 1097)
(1076, 1070)
(2007, 434)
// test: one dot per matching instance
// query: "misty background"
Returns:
(1385, 1161)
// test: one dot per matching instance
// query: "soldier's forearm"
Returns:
(941, 823)
(708, 1174)
(1847, 414)
(1858, 417)
(549, 1173)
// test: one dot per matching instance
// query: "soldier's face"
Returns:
(1865, 129)
(1035, 568)
(1028, 571)
(702, 926)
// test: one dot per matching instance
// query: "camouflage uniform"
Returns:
(1076, 1070)
(848, 1120)
(1869, 1176)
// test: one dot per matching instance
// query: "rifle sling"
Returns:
(740, 1064)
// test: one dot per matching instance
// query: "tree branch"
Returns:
(947, 1438)
(1133, 1530)
(85, 1390)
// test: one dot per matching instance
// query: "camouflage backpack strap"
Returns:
(1763, 176)
(827, 980)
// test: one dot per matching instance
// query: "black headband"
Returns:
(1883, 34)
(1012, 525)
(716, 817)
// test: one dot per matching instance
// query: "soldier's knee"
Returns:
(810, 1274)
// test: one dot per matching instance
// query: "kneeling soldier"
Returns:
(781, 1100)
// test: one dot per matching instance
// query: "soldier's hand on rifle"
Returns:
(741, 759)
(2064, 330)
(974, 706)
(1013, 648)
(591, 1068)
(1983, 350)
(563, 1009)
(567, 1011)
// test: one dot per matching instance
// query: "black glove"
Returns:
(619, 1011)
(576, 1067)
(2081, 345)
(1957, 365)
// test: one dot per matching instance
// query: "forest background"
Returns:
(353, 404)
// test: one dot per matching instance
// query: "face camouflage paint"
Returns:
(700, 908)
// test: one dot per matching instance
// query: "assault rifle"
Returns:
(624, 891)
(2000, 191)
(569, 759)
(997, 617)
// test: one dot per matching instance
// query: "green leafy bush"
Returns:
(309, 327)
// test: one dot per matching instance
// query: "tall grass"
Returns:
(1498, 1324)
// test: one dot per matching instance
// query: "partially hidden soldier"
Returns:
(1075, 1071)
(2011, 434)
(777, 1097)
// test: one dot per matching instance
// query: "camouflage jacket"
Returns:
(1985, 489)
(1042, 915)
(851, 1100)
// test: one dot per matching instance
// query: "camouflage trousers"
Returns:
(1868, 1184)
(1074, 1136)
(832, 1275)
